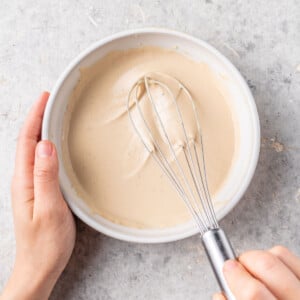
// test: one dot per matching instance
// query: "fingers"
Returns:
(22, 183)
(46, 185)
(242, 284)
(28, 138)
(273, 273)
(288, 258)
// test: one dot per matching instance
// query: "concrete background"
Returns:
(37, 41)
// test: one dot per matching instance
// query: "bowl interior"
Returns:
(241, 102)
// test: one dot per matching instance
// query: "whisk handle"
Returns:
(218, 250)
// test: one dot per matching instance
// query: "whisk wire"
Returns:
(197, 199)
(208, 203)
(162, 160)
(190, 162)
(195, 207)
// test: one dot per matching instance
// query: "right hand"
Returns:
(263, 275)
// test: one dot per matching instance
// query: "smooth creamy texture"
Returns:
(107, 163)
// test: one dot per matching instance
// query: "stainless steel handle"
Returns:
(218, 249)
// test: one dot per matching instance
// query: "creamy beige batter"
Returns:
(108, 165)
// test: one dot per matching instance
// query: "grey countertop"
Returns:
(37, 41)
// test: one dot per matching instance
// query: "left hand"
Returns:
(44, 225)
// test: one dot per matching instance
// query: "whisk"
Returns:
(165, 117)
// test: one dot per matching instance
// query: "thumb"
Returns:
(46, 184)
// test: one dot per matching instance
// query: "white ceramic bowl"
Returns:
(242, 103)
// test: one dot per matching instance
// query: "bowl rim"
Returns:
(254, 115)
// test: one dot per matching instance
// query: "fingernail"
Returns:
(230, 265)
(44, 149)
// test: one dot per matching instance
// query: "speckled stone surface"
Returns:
(37, 41)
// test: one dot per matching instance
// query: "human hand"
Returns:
(264, 275)
(44, 225)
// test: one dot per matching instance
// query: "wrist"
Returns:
(27, 285)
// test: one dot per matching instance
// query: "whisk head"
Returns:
(165, 118)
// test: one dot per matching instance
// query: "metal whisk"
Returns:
(165, 118)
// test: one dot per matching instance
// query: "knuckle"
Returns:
(44, 175)
(266, 261)
(44, 215)
(260, 260)
(49, 215)
(248, 257)
(280, 251)
(22, 137)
